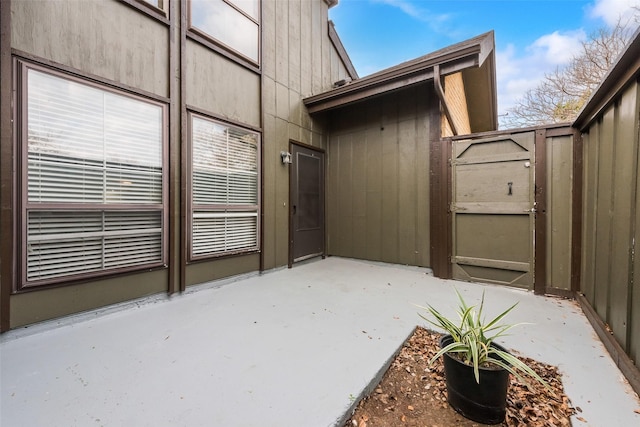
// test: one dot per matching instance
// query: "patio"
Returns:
(292, 347)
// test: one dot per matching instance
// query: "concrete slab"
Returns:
(293, 347)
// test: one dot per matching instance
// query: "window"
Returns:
(232, 23)
(224, 189)
(157, 9)
(93, 180)
(155, 3)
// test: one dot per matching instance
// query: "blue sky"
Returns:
(533, 37)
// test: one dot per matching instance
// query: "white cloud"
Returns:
(557, 48)
(612, 10)
(519, 71)
(416, 12)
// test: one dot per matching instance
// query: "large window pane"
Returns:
(89, 145)
(250, 7)
(227, 25)
(88, 149)
(224, 188)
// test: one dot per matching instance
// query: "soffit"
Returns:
(473, 54)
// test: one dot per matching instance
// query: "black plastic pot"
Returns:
(484, 402)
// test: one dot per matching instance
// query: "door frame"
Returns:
(292, 177)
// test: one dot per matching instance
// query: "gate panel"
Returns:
(492, 210)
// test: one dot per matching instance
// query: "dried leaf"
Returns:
(403, 388)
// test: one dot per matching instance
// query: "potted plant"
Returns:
(476, 368)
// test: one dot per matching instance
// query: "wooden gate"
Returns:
(493, 210)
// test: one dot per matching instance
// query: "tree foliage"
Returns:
(559, 97)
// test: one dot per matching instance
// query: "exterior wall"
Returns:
(378, 179)
(559, 211)
(299, 60)
(92, 39)
(611, 218)
(116, 43)
(95, 37)
(220, 86)
(456, 99)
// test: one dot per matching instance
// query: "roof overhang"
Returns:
(475, 58)
(626, 68)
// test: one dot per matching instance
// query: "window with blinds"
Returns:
(93, 166)
(224, 188)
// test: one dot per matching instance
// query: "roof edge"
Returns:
(626, 67)
(467, 54)
(342, 52)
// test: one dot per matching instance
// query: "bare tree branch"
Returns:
(561, 94)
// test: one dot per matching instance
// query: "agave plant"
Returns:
(472, 340)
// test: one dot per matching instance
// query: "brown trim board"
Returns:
(182, 285)
(617, 353)
(576, 212)
(439, 198)
(174, 156)
(342, 52)
(540, 222)
(7, 253)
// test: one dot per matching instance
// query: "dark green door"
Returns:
(307, 203)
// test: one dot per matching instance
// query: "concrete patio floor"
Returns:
(292, 347)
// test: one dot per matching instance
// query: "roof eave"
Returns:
(468, 54)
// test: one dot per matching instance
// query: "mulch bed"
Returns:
(413, 394)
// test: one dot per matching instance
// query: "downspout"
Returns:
(440, 92)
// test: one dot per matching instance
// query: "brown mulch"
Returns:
(413, 394)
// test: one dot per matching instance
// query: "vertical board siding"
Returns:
(115, 42)
(112, 43)
(378, 196)
(215, 84)
(103, 38)
(559, 212)
(373, 219)
(634, 289)
(590, 191)
(603, 212)
(390, 184)
(297, 62)
(611, 219)
(623, 195)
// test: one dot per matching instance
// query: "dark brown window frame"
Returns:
(189, 192)
(21, 67)
(158, 13)
(198, 35)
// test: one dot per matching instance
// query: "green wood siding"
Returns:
(378, 181)
(611, 218)
(559, 211)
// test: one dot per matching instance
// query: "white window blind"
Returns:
(224, 188)
(94, 197)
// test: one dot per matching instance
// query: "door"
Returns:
(493, 210)
(307, 203)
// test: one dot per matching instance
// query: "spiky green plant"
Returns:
(472, 339)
